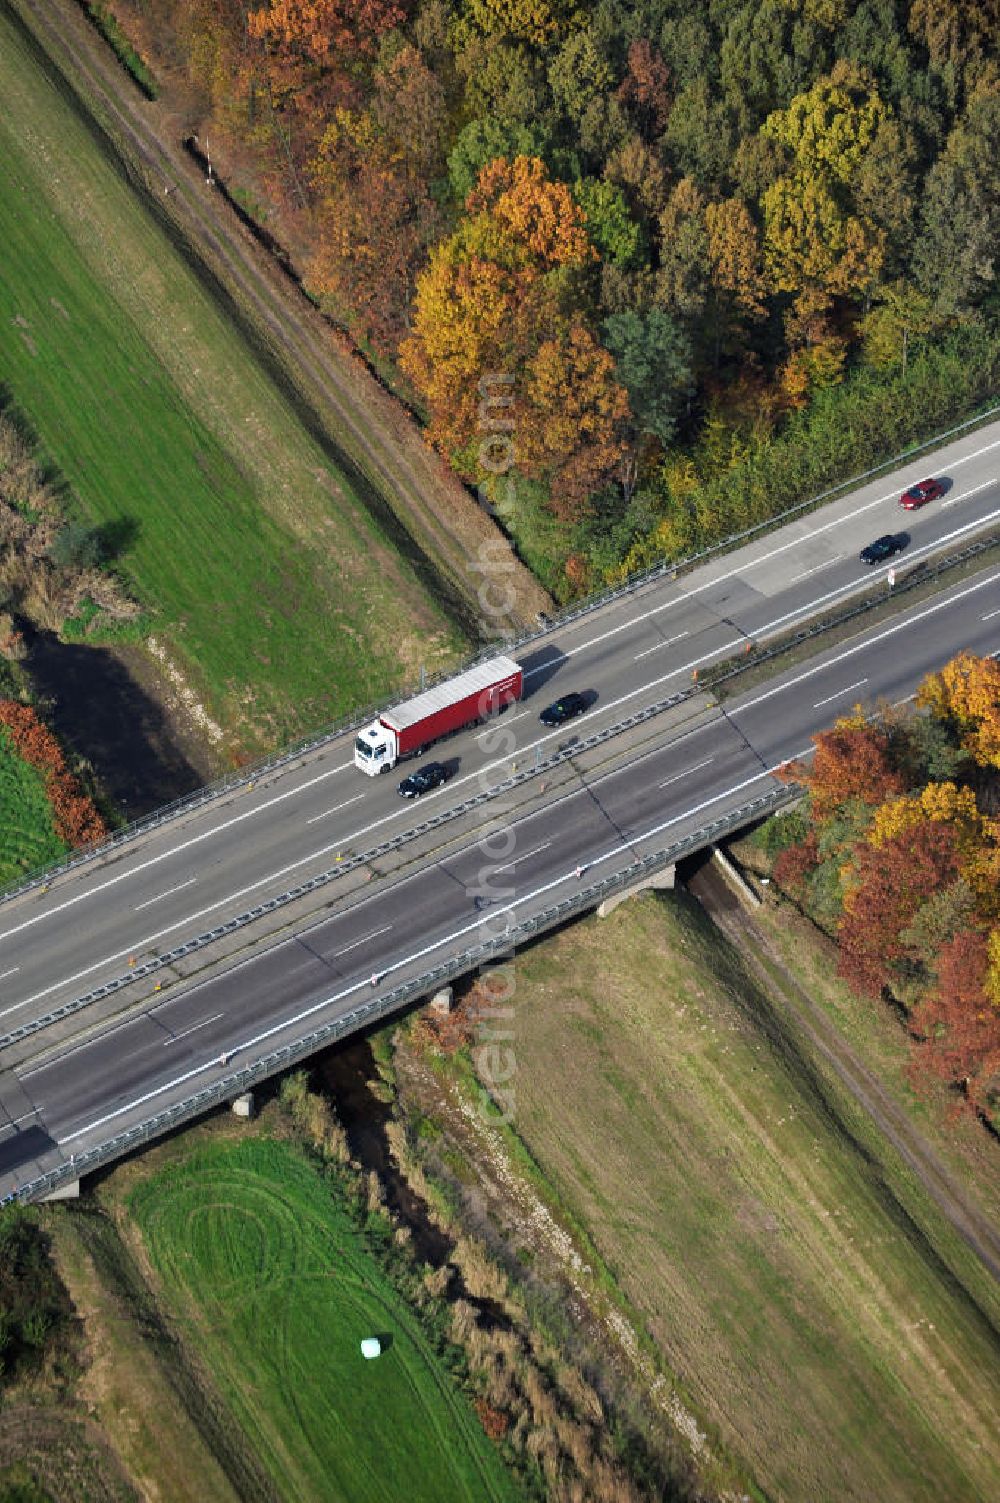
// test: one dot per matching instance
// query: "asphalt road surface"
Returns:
(81, 1093)
(211, 864)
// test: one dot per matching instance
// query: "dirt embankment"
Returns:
(753, 942)
(335, 393)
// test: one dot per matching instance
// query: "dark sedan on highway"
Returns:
(887, 546)
(920, 494)
(426, 778)
(564, 709)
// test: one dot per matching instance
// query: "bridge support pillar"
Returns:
(243, 1105)
(662, 881)
(68, 1190)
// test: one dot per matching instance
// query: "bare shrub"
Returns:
(375, 1191)
(49, 564)
(503, 1394)
(46, 596)
(108, 593)
(12, 645)
(543, 1406)
(483, 1279)
(314, 1117)
(582, 1396)
(463, 1322)
(436, 1281)
(575, 1439)
(399, 1148)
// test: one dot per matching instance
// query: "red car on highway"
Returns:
(920, 494)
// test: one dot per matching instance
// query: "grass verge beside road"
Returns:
(805, 1298)
(275, 588)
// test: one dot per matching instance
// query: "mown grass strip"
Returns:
(797, 1280)
(107, 25)
(273, 583)
(266, 1268)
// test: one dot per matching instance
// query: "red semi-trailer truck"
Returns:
(470, 696)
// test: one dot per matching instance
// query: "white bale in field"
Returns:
(371, 1347)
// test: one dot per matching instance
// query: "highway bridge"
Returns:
(218, 944)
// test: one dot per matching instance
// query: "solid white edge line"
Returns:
(360, 986)
(346, 840)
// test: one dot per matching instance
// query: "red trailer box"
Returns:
(473, 695)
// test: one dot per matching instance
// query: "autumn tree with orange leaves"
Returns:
(904, 866)
(854, 760)
(493, 300)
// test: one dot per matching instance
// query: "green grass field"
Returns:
(263, 1266)
(273, 587)
(27, 835)
(818, 1312)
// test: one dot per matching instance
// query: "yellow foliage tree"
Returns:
(966, 692)
(982, 871)
(814, 234)
(533, 21)
(893, 818)
(943, 803)
(992, 983)
(734, 255)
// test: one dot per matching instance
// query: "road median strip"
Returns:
(710, 680)
(380, 1006)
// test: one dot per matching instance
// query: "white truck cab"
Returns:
(375, 749)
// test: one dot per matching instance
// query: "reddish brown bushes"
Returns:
(77, 821)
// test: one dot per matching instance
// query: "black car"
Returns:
(424, 779)
(564, 709)
(889, 544)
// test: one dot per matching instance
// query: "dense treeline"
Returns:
(896, 849)
(660, 227)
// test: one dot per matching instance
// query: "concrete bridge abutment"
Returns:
(661, 881)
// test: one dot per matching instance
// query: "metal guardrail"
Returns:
(342, 868)
(712, 678)
(717, 674)
(254, 772)
(380, 1007)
